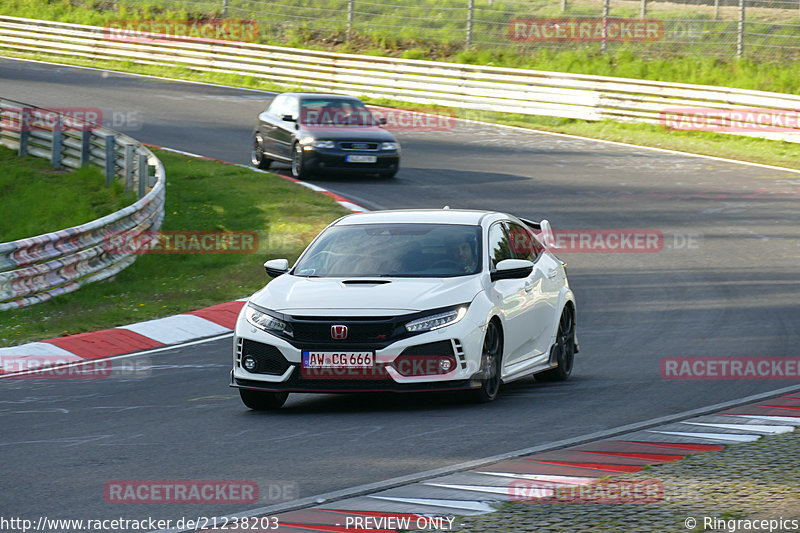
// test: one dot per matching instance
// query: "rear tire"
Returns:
(491, 359)
(563, 349)
(263, 400)
(257, 157)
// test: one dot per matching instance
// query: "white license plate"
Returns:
(361, 158)
(338, 359)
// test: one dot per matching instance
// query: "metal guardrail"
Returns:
(479, 88)
(36, 269)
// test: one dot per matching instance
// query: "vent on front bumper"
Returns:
(269, 360)
(431, 348)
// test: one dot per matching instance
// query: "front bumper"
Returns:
(317, 159)
(279, 362)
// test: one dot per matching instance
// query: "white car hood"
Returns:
(301, 295)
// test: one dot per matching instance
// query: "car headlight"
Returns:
(390, 146)
(266, 322)
(323, 144)
(436, 321)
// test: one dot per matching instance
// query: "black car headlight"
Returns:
(267, 322)
(436, 321)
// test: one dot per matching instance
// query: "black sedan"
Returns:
(319, 133)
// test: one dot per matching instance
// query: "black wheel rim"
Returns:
(566, 341)
(490, 363)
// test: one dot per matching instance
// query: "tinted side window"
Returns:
(291, 107)
(524, 244)
(498, 245)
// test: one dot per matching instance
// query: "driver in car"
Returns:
(466, 257)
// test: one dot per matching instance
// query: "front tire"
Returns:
(263, 400)
(257, 157)
(491, 359)
(299, 169)
(563, 349)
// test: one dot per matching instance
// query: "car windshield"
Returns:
(393, 250)
(335, 112)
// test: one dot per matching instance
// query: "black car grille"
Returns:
(376, 331)
(269, 360)
(358, 145)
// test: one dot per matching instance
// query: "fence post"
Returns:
(143, 174)
(470, 17)
(55, 148)
(129, 167)
(604, 44)
(24, 135)
(86, 144)
(350, 12)
(110, 163)
(740, 32)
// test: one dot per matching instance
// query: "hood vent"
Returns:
(366, 281)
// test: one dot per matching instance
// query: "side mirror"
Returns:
(276, 267)
(512, 269)
(288, 118)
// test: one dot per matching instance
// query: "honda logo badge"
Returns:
(339, 332)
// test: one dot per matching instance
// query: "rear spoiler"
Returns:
(544, 230)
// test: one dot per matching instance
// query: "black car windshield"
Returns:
(335, 112)
(393, 250)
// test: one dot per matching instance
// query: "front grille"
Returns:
(358, 145)
(373, 331)
(269, 360)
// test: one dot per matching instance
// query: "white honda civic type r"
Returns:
(408, 300)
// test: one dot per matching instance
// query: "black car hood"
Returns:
(350, 133)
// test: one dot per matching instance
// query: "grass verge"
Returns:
(201, 195)
(73, 196)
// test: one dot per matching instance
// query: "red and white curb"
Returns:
(161, 332)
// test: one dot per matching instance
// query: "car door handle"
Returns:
(552, 273)
(528, 286)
